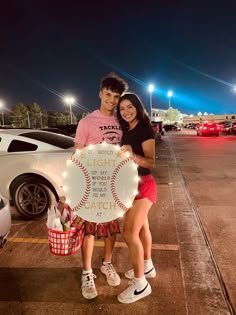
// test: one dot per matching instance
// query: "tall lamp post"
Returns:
(150, 89)
(70, 101)
(169, 94)
(1, 107)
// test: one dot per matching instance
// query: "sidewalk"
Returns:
(202, 291)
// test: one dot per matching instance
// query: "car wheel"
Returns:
(30, 197)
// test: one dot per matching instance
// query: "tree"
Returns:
(34, 115)
(57, 118)
(170, 116)
(19, 117)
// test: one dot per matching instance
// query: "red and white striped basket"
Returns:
(65, 243)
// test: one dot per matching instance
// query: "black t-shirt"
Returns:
(135, 137)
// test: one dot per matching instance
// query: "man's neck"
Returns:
(106, 112)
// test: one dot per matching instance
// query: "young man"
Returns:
(101, 125)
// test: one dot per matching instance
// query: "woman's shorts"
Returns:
(147, 188)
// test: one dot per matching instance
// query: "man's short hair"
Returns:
(114, 83)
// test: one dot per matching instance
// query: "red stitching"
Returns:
(88, 184)
(114, 195)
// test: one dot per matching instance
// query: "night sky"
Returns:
(51, 48)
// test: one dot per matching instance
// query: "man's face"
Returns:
(109, 100)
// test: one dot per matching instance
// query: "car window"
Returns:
(21, 146)
(60, 141)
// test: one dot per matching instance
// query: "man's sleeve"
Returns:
(81, 135)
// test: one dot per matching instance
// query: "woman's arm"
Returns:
(148, 160)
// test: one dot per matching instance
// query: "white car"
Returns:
(32, 163)
(5, 219)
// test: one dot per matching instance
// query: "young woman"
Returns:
(139, 140)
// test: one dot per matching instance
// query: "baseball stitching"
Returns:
(113, 191)
(88, 184)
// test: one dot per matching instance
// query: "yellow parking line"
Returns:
(27, 240)
(170, 247)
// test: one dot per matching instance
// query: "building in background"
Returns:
(191, 119)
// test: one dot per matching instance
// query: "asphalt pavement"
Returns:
(32, 281)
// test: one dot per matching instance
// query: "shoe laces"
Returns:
(88, 280)
(110, 269)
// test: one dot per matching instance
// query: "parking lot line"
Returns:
(168, 247)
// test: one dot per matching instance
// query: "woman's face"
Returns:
(128, 111)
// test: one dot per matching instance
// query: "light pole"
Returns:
(169, 94)
(28, 118)
(1, 107)
(41, 120)
(150, 89)
(70, 101)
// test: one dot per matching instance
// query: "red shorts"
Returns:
(147, 188)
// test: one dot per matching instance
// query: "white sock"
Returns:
(148, 265)
(106, 262)
(140, 283)
(85, 272)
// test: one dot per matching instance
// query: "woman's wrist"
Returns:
(138, 159)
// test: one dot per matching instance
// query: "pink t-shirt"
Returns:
(96, 128)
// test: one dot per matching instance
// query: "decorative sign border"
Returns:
(100, 182)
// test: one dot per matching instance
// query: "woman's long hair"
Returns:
(141, 113)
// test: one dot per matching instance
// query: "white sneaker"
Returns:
(88, 286)
(148, 274)
(113, 278)
(131, 294)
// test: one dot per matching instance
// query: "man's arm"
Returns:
(78, 146)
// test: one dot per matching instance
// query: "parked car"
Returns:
(33, 162)
(55, 130)
(233, 128)
(226, 127)
(208, 129)
(5, 219)
(191, 125)
(171, 127)
(70, 130)
(158, 129)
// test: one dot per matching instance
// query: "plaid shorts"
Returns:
(98, 229)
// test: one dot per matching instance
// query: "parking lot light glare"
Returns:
(69, 100)
(150, 89)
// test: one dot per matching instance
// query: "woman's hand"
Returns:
(127, 148)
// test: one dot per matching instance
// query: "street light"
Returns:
(70, 101)
(150, 89)
(169, 94)
(1, 107)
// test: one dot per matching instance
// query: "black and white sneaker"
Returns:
(148, 274)
(131, 294)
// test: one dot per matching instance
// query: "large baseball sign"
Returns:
(100, 182)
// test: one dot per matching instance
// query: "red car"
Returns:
(208, 129)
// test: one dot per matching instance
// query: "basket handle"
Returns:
(68, 208)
